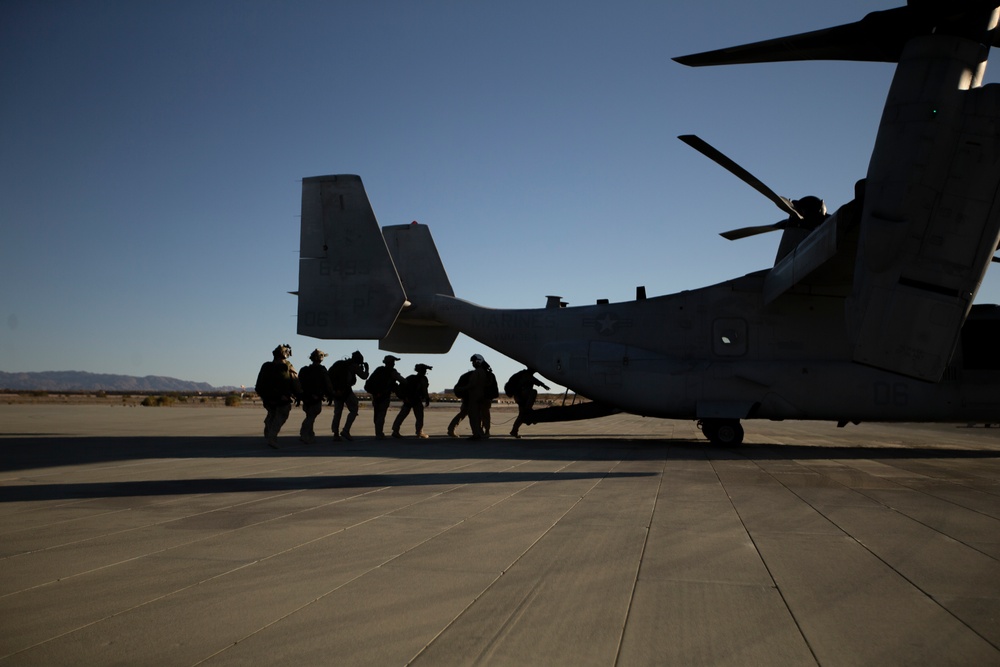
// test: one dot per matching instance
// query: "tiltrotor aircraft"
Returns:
(866, 315)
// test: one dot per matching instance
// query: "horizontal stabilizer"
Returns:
(406, 338)
(348, 285)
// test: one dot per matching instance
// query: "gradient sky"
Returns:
(151, 155)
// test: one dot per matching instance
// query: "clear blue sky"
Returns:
(151, 153)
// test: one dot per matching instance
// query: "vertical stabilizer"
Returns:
(348, 285)
(932, 210)
(423, 276)
(416, 260)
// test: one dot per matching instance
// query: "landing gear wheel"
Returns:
(727, 432)
(708, 428)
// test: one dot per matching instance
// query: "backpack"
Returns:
(403, 389)
(340, 374)
(492, 391)
(509, 387)
(462, 386)
(380, 381)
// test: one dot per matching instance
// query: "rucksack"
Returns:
(380, 381)
(462, 386)
(492, 391)
(403, 389)
(340, 374)
(509, 388)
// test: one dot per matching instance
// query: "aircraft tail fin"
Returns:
(355, 279)
(348, 284)
(416, 259)
(423, 276)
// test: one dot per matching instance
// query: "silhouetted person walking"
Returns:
(381, 385)
(278, 387)
(343, 374)
(415, 395)
(521, 387)
(473, 387)
(316, 388)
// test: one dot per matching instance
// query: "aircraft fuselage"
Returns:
(718, 353)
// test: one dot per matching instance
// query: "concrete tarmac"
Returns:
(175, 536)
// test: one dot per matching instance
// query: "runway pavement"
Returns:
(174, 536)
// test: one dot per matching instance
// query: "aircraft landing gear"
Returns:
(728, 432)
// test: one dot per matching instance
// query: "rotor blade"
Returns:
(715, 155)
(743, 232)
(878, 37)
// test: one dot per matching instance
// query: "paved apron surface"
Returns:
(174, 536)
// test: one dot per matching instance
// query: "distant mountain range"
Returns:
(81, 381)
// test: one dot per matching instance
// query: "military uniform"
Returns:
(343, 375)
(381, 385)
(278, 387)
(477, 389)
(415, 395)
(521, 386)
(316, 388)
(463, 381)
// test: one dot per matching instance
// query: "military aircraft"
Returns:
(866, 315)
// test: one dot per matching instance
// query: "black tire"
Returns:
(708, 428)
(724, 432)
(729, 433)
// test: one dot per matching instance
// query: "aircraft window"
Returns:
(729, 337)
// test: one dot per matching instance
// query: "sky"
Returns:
(151, 157)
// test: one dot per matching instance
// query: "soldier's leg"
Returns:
(338, 410)
(268, 423)
(311, 410)
(454, 422)
(485, 415)
(277, 415)
(351, 400)
(418, 415)
(380, 408)
(517, 425)
(404, 412)
(474, 410)
(281, 416)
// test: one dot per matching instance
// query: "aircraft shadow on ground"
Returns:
(47, 452)
(91, 490)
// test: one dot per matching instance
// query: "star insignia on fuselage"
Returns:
(606, 324)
